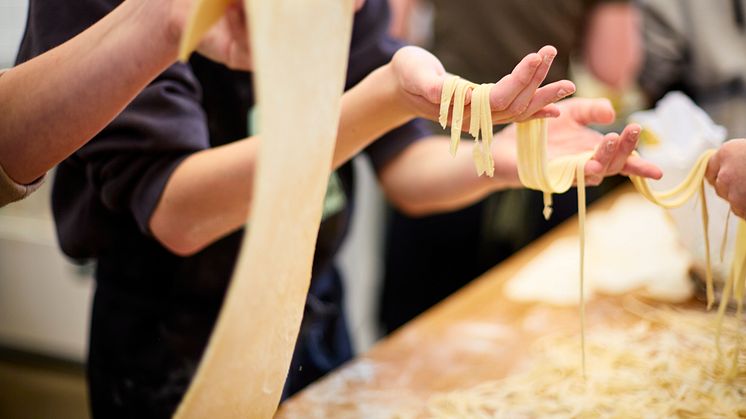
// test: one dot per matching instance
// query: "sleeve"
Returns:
(128, 164)
(371, 48)
(10, 191)
(664, 44)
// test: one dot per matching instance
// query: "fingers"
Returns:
(626, 144)
(722, 185)
(521, 102)
(544, 96)
(604, 155)
(237, 25)
(517, 96)
(634, 166)
(240, 52)
(589, 111)
(594, 173)
(613, 155)
(638, 166)
(549, 111)
(505, 91)
(717, 179)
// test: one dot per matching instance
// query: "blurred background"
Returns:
(395, 267)
(44, 299)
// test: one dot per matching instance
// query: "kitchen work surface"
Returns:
(479, 334)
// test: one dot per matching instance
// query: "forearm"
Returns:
(369, 110)
(426, 179)
(208, 196)
(56, 102)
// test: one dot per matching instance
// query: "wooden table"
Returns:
(473, 336)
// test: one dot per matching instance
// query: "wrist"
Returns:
(395, 98)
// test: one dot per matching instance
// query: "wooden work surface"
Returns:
(474, 336)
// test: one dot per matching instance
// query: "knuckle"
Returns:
(433, 92)
(724, 177)
(518, 107)
(524, 78)
(500, 103)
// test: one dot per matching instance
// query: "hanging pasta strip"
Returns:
(580, 164)
(457, 120)
(735, 285)
(725, 238)
(449, 88)
(558, 175)
(736, 281)
(486, 128)
(455, 90)
(708, 262)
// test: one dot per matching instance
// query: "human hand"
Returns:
(516, 97)
(219, 34)
(228, 41)
(569, 134)
(726, 171)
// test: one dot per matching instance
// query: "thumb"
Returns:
(420, 72)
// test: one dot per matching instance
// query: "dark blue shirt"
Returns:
(153, 310)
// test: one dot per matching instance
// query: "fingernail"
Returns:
(636, 136)
(562, 93)
(610, 145)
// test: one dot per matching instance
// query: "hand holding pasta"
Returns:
(726, 171)
(515, 97)
(569, 134)
(216, 29)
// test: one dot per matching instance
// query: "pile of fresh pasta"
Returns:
(557, 176)
(634, 373)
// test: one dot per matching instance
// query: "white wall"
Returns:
(44, 299)
(361, 258)
(12, 23)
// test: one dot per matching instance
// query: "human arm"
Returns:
(612, 43)
(425, 178)
(726, 171)
(53, 104)
(209, 194)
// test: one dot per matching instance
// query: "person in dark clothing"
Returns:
(428, 258)
(159, 197)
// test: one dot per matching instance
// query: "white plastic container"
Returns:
(683, 131)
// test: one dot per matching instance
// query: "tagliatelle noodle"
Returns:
(299, 50)
(558, 175)
(659, 366)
